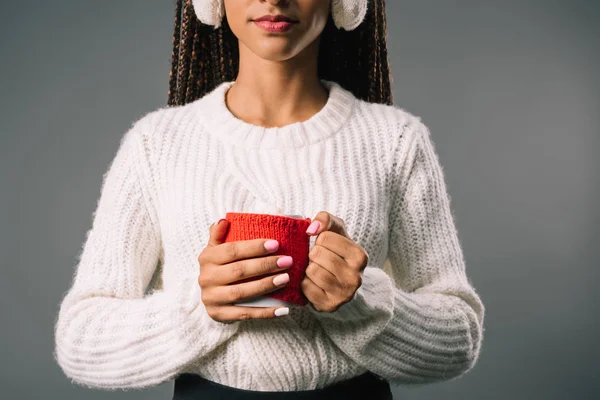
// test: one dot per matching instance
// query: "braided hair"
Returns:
(203, 57)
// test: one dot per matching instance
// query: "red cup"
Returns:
(290, 232)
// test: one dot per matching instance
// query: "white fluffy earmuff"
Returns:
(209, 12)
(346, 14)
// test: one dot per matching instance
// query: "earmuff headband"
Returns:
(346, 14)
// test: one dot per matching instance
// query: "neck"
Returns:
(216, 117)
(277, 93)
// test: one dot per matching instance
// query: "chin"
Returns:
(274, 52)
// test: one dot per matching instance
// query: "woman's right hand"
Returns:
(223, 263)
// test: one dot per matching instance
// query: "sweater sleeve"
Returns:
(425, 322)
(109, 333)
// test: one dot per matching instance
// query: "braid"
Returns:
(173, 99)
(204, 57)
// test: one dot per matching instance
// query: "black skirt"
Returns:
(366, 386)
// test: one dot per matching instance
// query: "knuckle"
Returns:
(304, 286)
(322, 238)
(244, 315)
(315, 251)
(212, 312)
(231, 251)
(266, 264)
(202, 257)
(202, 280)
(348, 296)
(238, 270)
(363, 257)
(345, 285)
(218, 314)
(346, 291)
(207, 297)
(310, 270)
(235, 293)
(333, 305)
(349, 289)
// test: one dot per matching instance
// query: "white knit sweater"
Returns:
(134, 318)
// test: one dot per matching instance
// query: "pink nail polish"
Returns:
(271, 245)
(285, 261)
(313, 228)
(281, 279)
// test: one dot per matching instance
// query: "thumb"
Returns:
(327, 222)
(218, 231)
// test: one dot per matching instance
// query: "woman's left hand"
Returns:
(336, 263)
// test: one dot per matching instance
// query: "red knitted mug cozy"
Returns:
(293, 241)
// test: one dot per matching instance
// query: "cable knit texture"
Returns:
(134, 318)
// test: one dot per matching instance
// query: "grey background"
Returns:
(511, 93)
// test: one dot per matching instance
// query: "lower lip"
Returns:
(270, 26)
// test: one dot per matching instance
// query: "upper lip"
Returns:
(274, 18)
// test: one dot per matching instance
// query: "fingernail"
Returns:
(282, 311)
(271, 245)
(285, 261)
(281, 279)
(313, 228)
(219, 221)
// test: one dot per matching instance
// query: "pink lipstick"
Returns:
(274, 23)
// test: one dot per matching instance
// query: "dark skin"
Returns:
(336, 264)
(278, 85)
(277, 82)
(333, 274)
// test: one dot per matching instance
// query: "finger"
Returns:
(242, 249)
(218, 232)
(237, 313)
(323, 278)
(235, 293)
(251, 267)
(325, 221)
(312, 291)
(340, 245)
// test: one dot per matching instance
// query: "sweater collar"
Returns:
(218, 119)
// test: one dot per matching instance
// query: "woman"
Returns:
(291, 117)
